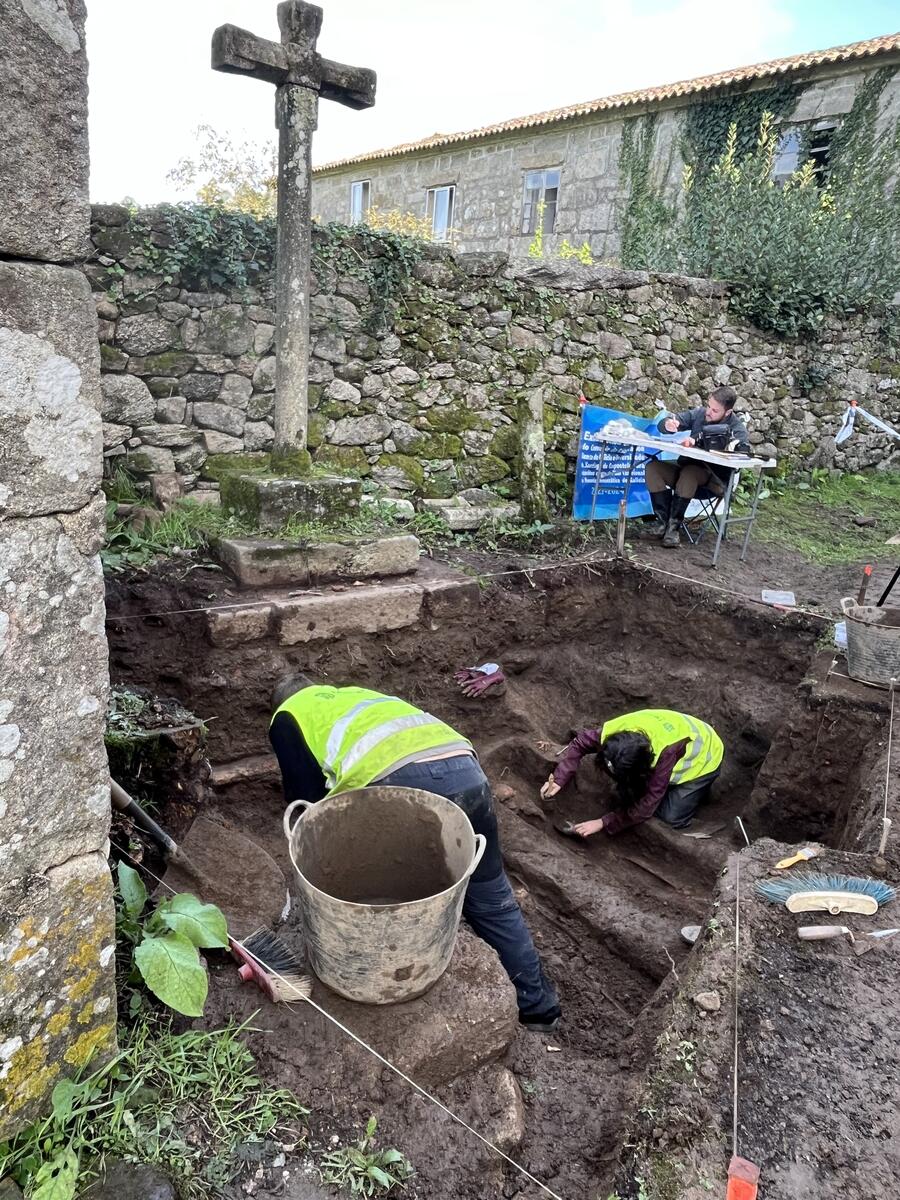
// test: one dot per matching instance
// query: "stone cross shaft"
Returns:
(300, 75)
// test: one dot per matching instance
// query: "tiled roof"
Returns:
(777, 66)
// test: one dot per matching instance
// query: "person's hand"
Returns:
(586, 828)
(551, 788)
(688, 441)
(671, 425)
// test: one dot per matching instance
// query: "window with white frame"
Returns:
(439, 210)
(360, 192)
(800, 143)
(541, 188)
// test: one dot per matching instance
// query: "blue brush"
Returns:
(807, 891)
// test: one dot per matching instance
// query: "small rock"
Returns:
(131, 1181)
(166, 489)
(503, 791)
(864, 522)
(708, 1001)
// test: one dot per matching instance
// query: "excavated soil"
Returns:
(578, 645)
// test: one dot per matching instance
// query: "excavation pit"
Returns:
(577, 647)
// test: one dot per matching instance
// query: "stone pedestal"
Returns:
(270, 502)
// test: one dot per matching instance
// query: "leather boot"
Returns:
(672, 536)
(661, 502)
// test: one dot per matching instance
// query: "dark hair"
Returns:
(287, 686)
(726, 396)
(628, 757)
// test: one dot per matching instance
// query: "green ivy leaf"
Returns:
(202, 924)
(56, 1180)
(171, 969)
(134, 894)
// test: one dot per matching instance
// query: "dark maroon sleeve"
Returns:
(657, 786)
(587, 742)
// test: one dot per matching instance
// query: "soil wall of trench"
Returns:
(577, 646)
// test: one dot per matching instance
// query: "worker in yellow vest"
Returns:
(333, 739)
(663, 763)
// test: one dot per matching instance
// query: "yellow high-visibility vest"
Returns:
(358, 736)
(663, 727)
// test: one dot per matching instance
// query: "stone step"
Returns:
(258, 562)
(337, 612)
(271, 502)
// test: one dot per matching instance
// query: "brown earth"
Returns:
(578, 644)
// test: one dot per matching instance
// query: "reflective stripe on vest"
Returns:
(356, 742)
(663, 728)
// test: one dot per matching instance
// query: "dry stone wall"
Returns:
(57, 922)
(429, 403)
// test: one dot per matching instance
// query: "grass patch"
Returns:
(816, 518)
(184, 1102)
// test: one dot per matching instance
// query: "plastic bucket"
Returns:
(383, 874)
(873, 643)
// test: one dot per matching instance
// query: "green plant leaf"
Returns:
(134, 894)
(371, 1126)
(202, 924)
(389, 1157)
(64, 1100)
(171, 969)
(380, 1176)
(56, 1180)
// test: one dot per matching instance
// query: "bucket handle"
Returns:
(480, 846)
(288, 828)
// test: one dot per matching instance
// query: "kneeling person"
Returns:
(664, 764)
(330, 740)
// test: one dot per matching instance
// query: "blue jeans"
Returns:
(682, 800)
(490, 907)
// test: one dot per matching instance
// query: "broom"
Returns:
(809, 892)
(272, 966)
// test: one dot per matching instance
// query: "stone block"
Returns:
(215, 442)
(57, 986)
(243, 770)
(145, 334)
(258, 435)
(448, 599)
(200, 386)
(264, 375)
(342, 614)
(461, 516)
(236, 390)
(171, 410)
(360, 431)
(257, 562)
(150, 460)
(51, 437)
(43, 135)
(402, 510)
(53, 701)
(272, 502)
(225, 330)
(222, 417)
(233, 627)
(126, 400)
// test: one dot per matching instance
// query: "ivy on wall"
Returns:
(645, 210)
(706, 124)
(204, 247)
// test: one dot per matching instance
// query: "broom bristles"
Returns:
(280, 965)
(779, 891)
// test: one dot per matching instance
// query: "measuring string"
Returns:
(359, 1041)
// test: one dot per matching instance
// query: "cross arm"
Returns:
(240, 52)
(352, 86)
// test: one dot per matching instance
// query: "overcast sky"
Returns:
(442, 66)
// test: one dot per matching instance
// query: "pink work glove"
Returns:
(475, 681)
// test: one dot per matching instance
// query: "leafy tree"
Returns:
(235, 177)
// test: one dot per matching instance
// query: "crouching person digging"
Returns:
(663, 763)
(335, 739)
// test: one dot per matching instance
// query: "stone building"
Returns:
(489, 188)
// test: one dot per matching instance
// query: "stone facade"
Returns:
(57, 927)
(488, 171)
(432, 404)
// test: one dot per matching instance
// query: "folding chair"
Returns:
(710, 514)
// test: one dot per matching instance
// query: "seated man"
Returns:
(714, 427)
(330, 740)
(663, 763)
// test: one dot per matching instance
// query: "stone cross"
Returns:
(300, 75)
